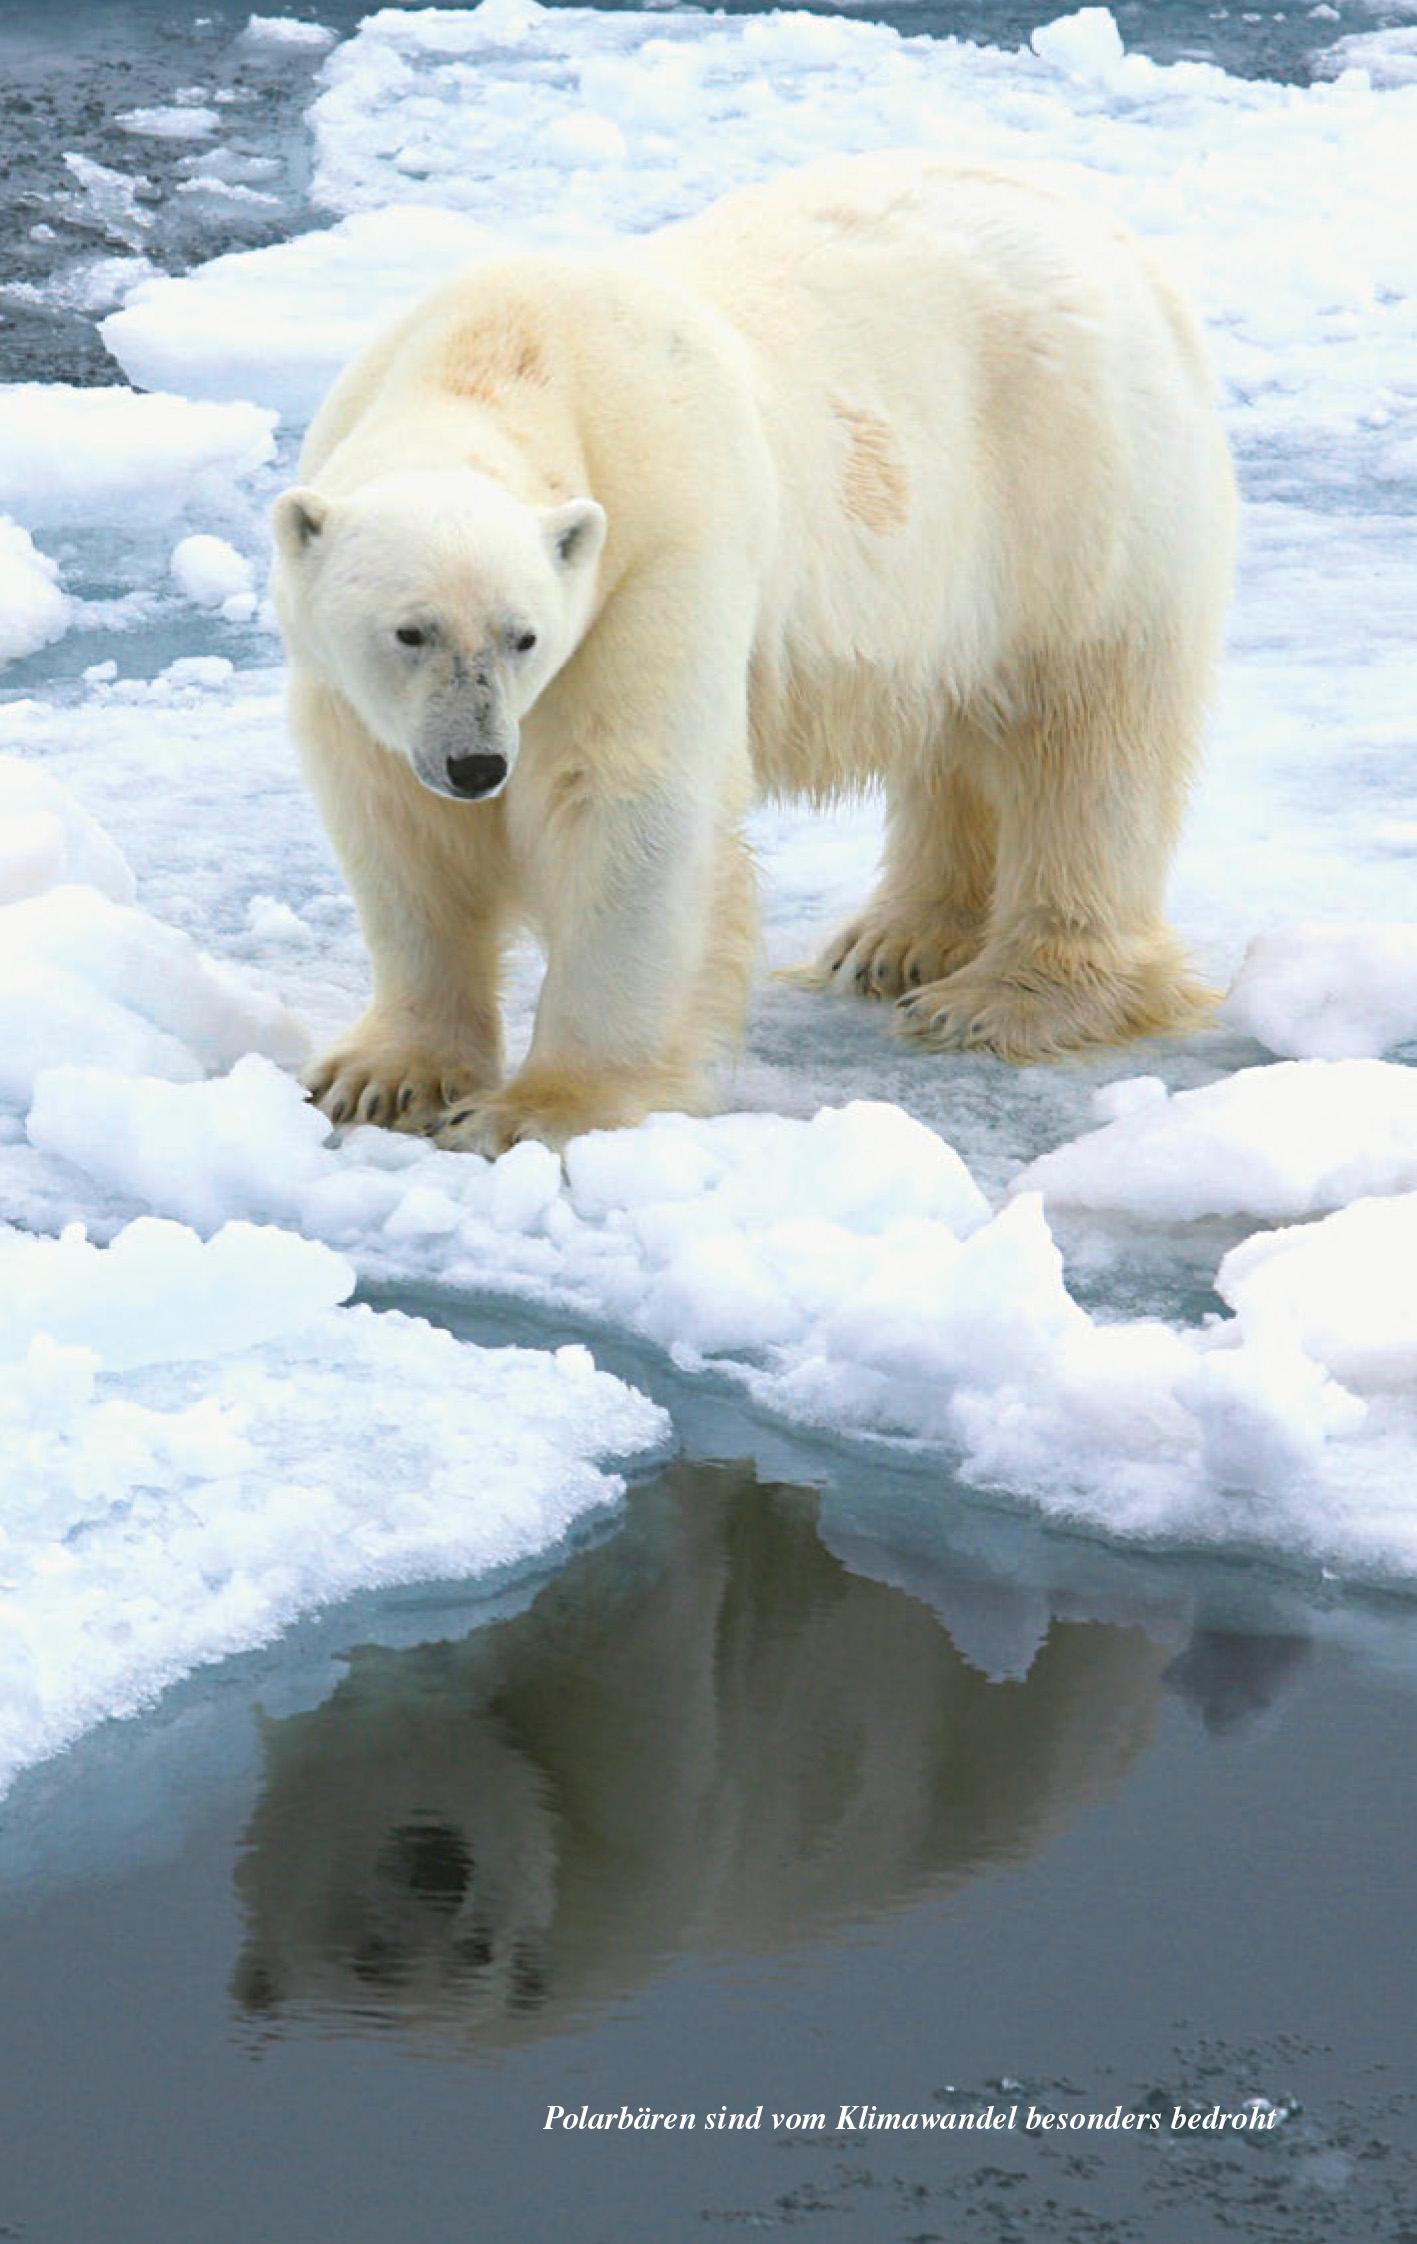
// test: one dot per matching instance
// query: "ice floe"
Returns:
(73, 454)
(278, 324)
(278, 35)
(845, 1271)
(200, 1444)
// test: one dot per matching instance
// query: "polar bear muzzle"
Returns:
(464, 743)
(471, 776)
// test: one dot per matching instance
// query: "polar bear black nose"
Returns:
(476, 775)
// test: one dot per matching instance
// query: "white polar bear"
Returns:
(893, 469)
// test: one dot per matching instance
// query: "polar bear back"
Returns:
(939, 423)
(977, 381)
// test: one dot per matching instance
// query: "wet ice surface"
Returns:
(896, 1299)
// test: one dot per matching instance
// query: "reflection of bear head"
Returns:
(440, 606)
(705, 1733)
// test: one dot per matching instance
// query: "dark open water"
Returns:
(742, 1806)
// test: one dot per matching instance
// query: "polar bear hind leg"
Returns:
(1089, 787)
(930, 913)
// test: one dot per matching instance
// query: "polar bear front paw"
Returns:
(555, 1108)
(399, 1087)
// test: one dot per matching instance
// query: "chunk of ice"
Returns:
(47, 839)
(1316, 991)
(34, 610)
(68, 454)
(1291, 1140)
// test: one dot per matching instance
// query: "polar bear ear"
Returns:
(297, 519)
(575, 532)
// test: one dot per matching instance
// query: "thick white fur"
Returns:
(911, 472)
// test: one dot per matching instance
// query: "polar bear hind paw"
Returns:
(1029, 1015)
(880, 955)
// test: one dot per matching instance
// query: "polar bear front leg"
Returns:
(649, 949)
(431, 882)
(623, 820)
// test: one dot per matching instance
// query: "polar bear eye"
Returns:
(525, 643)
(410, 635)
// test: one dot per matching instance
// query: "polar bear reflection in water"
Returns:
(704, 1735)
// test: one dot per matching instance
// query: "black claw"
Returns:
(406, 1098)
(454, 1119)
(338, 1111)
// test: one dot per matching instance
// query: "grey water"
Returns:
(740, 1809)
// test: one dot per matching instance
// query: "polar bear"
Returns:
(890, 470)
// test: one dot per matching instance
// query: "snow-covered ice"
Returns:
(79, 971)
(175, 122)
(214, 575)
(279, 323)
(1386, 58)
(1319, 992)
(1272, 1142)
(570, 123)
(33, 609)
(885, 1268)
(278, 34)
(48, 841)
(74, 455)
(1346, 1288)
(200, 1444)
(844, 1271)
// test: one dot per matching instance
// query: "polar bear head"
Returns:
(440, 606)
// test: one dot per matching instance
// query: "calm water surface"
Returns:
(738, 1808)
